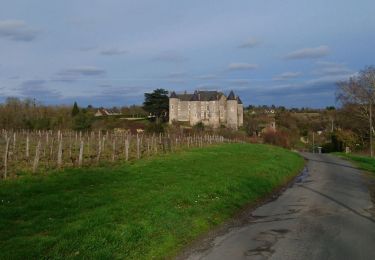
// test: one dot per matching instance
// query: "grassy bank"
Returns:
(366, 163)
(151, 208)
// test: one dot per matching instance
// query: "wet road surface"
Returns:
(325, 215)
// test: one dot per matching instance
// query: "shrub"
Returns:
(279, 138)
(199, 127)
(341, 139)
(155, 128)
(82, 121)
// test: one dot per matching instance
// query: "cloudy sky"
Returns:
(109, 52)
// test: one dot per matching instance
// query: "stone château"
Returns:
(212, 108)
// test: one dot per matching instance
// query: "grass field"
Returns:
(364, 162)
(149, 209)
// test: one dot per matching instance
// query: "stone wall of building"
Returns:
(173, 109)
(195, 112)
(232, 114)
(222, 110)
(214, 118)
(240, 114)
(183, 111)
(211, 108)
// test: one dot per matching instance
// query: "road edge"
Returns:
(242, 217)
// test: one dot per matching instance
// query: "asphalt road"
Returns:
(325, 215)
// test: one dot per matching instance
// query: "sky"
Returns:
(110, 52)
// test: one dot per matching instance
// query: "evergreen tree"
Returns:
(75, 109)
(157, 103)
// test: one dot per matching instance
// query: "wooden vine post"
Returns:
(113, 148)
(138, 147)
(99, 148)
(80, 158)
(37, 155)
(59, 153)
(6, 157)
(27, 146)
(127, 148)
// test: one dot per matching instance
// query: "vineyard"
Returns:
(39, 151)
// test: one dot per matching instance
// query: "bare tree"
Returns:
(359, 93)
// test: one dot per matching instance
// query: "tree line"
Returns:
(29, 114)
(357, 97)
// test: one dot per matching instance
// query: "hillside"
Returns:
(152, 208)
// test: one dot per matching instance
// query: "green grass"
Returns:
(149, 209)
(366, 163)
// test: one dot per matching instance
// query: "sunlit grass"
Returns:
(364, 162)
(151, 208)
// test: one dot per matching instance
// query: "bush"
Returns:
(82, 121)
(340, 140)
(155, 128)
(199, 127)
(328, 148)
(279, 138)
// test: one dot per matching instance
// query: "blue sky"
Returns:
(108, 53)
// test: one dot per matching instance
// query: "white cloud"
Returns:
(37, 89)
(309, 53)
(239, 82)
(87, 48)
(82, 71)
(326, 68)
(208, 87)
(329, 79)
(112, 51)
(250, 43)
(170, 56)
(287, 75)
(242, 66)
(17, 30)
(207, 77)
(175, 75)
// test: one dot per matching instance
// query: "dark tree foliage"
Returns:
(199, 127)
(82, 121)
(157, 103)
(155, 128)
(75, 109)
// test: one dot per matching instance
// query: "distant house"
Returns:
(107, 112)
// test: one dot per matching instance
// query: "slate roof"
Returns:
(185, 97)
(173, 95)
(239, 100)
(208, 95)
(198, 96)
(195, 96)
(231, 96)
